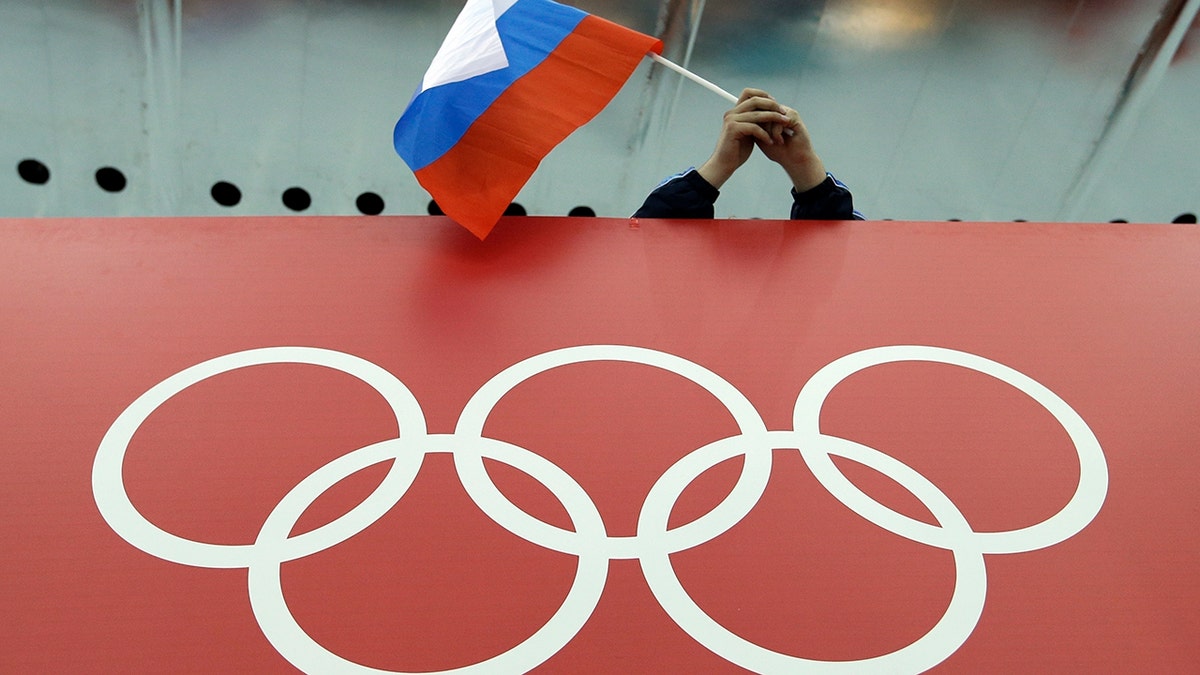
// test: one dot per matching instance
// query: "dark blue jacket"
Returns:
(688, 195)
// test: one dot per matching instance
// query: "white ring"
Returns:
(293, 643)
(1079, 511)
(108, 482)
(955, 626)
(488, 497)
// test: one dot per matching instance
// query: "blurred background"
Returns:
(1061, 110)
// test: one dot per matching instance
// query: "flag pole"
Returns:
(702, 82)
(693, 77)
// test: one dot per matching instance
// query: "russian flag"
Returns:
(512, 79)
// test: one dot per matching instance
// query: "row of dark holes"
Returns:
(297, 199)
(227, 194)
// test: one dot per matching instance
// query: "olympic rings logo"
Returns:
(654, 542)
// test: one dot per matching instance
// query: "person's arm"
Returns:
(828, 200)
(816, 194)
(685, 195)
(757, 119)
(693, 193)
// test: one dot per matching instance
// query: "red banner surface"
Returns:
(592, 445)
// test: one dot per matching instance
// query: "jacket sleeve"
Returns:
(685, 195)
(831, 200)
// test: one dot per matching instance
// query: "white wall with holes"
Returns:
(929, 110)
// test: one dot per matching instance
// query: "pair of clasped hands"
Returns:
(759, 120)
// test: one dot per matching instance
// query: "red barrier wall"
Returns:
(591, 445)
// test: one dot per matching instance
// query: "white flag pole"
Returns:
(693, 77)
(703, 83)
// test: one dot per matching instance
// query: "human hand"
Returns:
(792, 149)
(756, 119)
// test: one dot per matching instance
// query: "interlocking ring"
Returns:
(588, 540)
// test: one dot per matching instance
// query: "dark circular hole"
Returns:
(33, 171)
(582, 212)
(1185, 218)
(226, 194)
(1118, 220)
(296, 199)
(110, 179)
(514, 209)
(369, 204)
(433, 209)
